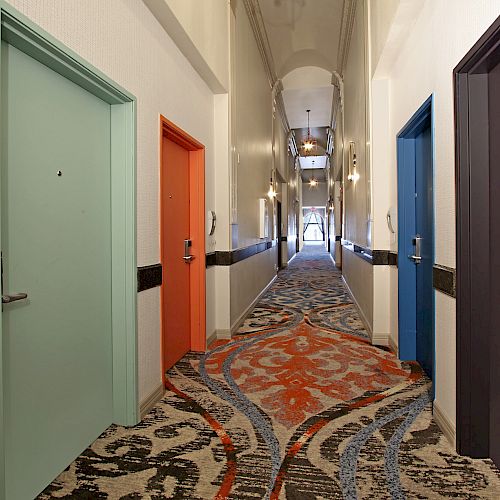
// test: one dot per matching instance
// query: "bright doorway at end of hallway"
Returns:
(314, 223)
(182, 235)
(416, 239)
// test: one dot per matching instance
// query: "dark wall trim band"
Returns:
(284, 238)
(444, 279)
(230, 257)
(149, 277)
(374, 257)
(338, 238)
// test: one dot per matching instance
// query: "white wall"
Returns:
(430, 47)
(360, 275)
(253, 135)
(356, 193)
(125, 41)
(355, 121)
(381, 18)
(252, 117)
(201, 31)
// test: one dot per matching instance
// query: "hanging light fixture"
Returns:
(313, 182)
(309, 143)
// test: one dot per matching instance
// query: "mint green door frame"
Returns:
(20, 32)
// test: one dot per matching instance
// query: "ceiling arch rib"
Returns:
(305, 57)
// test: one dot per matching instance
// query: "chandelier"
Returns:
(309, 144)
(313, 182)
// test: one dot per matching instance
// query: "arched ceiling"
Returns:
(303, 32)
(304, 38)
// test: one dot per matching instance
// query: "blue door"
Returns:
(416, 240)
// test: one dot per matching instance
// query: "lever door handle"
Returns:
(7, 299)
(187, 256)
(417, 256)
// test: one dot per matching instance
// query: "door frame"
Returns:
(197, 275)
(20, 32)
(477, 201)
(407, 344)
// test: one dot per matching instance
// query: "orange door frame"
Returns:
(197, 233)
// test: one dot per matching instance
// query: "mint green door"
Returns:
(56, 245)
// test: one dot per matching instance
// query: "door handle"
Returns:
(417, 257)
(7, 299)
(187, 256)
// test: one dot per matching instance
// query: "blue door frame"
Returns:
(415, 154)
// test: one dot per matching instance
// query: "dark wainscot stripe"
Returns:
(148, 277)
(374, 257)
(284, 238)
(230, 257)
(364, 253)
(338, 238)
(210, 259)
(444, 279)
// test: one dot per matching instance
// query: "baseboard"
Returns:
(148, 403)
(211, 339)
(248, 310)
(383, 339)
(222, 334)
(361, 313)
(393, 346)
(293, 257)
(333, 260)
(445, 424)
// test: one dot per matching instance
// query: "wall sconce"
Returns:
(353, 176)
(330, 204)
(271, 193)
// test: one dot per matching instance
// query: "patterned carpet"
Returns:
(298, 405)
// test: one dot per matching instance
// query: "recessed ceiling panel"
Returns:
(315, 162)
(318, 100)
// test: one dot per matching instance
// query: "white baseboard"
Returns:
(212, 338)
(222, 334)
(393, 345)
(383, 339)
(361, 313)
(148, 403)
(445, 424)
(293, 257)
(246, 312)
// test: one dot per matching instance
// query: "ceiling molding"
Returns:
(348, 15)
(257, 23)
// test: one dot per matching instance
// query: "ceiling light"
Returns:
(313, 181)
(309, 143)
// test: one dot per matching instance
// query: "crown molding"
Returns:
(258, 27)
(348, 15)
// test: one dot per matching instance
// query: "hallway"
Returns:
(297, 405)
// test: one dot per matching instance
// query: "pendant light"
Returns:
(313, 182)
(310, 143)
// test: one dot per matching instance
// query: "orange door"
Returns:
(175, 230)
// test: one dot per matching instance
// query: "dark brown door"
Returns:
(477, 101)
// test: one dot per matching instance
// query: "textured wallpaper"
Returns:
(124, 40)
